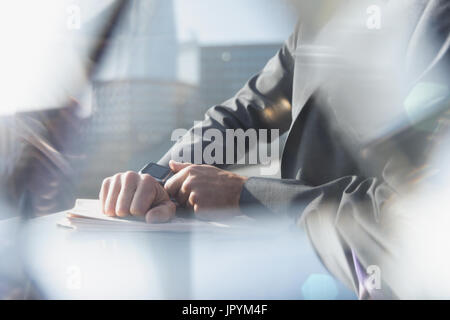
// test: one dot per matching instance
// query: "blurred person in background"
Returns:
(354, 87)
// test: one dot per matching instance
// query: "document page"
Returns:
(87, 215)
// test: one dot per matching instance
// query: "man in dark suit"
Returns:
(354, 132)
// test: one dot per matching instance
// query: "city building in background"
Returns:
(226, 44)
(145, 44)
(224, 69)
(155, 79)
(136, 98)
(131, 125)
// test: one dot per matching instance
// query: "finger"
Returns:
(113, 193)
(174, 184)
(129, 182)
(104, 192)
(178, 166)
(162, 213)
(183, 194)
(146, 193)
(192, 201)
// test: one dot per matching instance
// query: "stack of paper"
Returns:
(87, 216)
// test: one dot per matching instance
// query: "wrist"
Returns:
(240, 182)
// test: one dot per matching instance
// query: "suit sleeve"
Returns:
(263, 103)
(364, 216)
(341, 218)
(356, 217)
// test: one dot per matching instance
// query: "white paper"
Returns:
(87, 215)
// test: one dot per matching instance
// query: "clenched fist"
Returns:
(205, 188)
(135, 194)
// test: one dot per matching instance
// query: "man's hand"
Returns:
(203, 187)
(136, 194)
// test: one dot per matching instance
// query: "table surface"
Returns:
(265, 263)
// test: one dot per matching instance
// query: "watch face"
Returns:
(156, 171)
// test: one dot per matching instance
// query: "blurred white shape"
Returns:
(43, 61)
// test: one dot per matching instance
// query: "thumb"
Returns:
(177, 166)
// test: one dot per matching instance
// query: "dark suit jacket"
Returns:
(351, 144)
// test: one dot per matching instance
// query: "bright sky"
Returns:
(234, 21)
